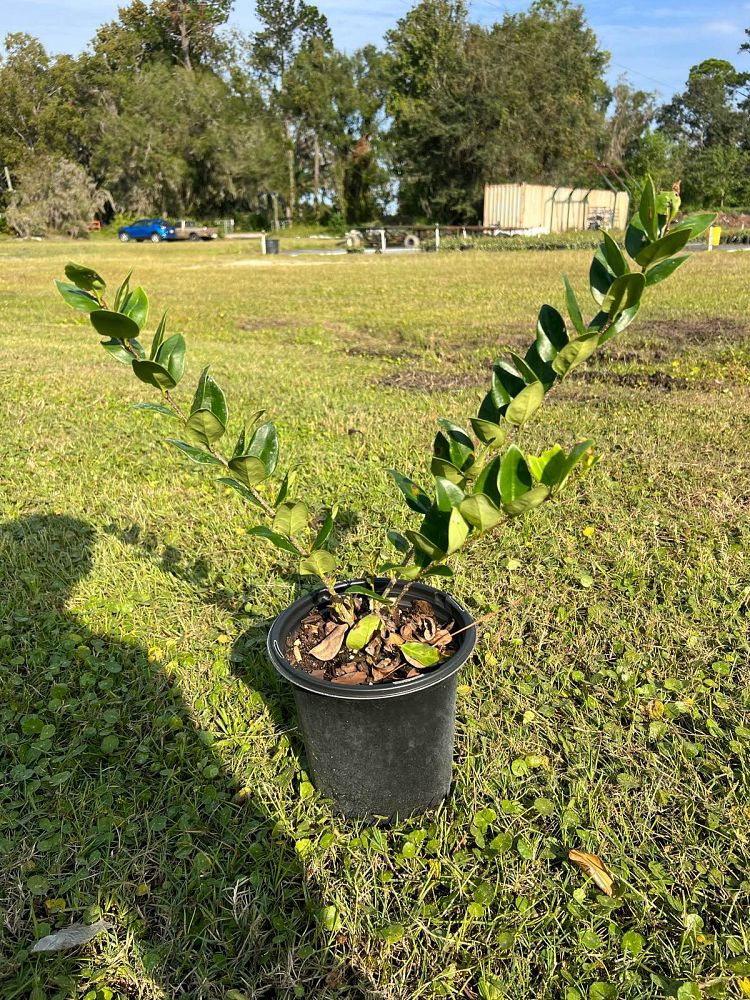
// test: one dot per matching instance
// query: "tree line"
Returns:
(170, 112)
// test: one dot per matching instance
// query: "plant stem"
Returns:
(394, 579)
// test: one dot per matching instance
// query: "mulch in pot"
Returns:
(318, 645)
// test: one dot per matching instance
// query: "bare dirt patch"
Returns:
(662, 381)
(698, 330)
(423, 380)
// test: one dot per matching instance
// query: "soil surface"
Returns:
(318, 646)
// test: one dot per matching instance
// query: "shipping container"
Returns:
(543, 208)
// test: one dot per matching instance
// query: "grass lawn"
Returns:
(151, 771)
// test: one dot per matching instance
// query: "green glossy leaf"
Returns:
(441, 467)
(528, 501)
(575, 353)
(613, 255)
(122, 292)
(116, 350)
(291, 518)
(624, 293)
(85, 278)
(415, 496)
(526, 372)
(487, 481)
(360, 634)
(543, 370)
(647, 210)
(563, 471)
(171, 355)
(506, 383)
(202, 426)
(113, 325)
(398, 541)
(264, 445)
(77, 298)
(240, 488)
(480, 512)
(551, 334)
(600, 278)
(622, 322)
(658, 272)
(489, 433)
(239, 448)
(525, 405)
(426, 545)
(420, 654)
(489, 410)
(440, 533)
(458, 531)
(248, 469)
(514, 478)
(635, 237)
(197, 455)
(546, 468)
(135, 306)
(454, 444)
(285, 486)
(411, 572)
(325, 529)
(153, 374)
(208, 396)
(666, 247)
(369, 592)
(158, 337)
(444, 571)
(697, 224)
(320, 563)
(574, 310)
(154, 408)
(447, 494)
(262, 531)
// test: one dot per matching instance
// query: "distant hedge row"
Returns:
(588, 240)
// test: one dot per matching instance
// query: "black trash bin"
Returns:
(384, 750)
(272, 246)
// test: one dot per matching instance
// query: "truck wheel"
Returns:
(155, 238)
(411, 241)
(193, 237)
(124, 238)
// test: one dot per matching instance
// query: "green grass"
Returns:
(151, 766)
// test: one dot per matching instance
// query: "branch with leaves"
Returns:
(253, 461)
(476, 488)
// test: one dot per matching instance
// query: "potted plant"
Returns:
(374, 661)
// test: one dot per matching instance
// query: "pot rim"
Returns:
(288, 619)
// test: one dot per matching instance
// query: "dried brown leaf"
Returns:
(329, 648)
(358, 677)
(593, 865)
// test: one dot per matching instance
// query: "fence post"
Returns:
(382, 240)
(437, 237)
(263, 243)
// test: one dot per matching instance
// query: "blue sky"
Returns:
(655, 44)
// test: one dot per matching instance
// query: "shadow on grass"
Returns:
(117, 800)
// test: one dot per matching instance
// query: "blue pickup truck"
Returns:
(154, 230)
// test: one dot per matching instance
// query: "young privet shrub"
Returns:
(482, 477)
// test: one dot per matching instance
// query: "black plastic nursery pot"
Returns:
(381, 750)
